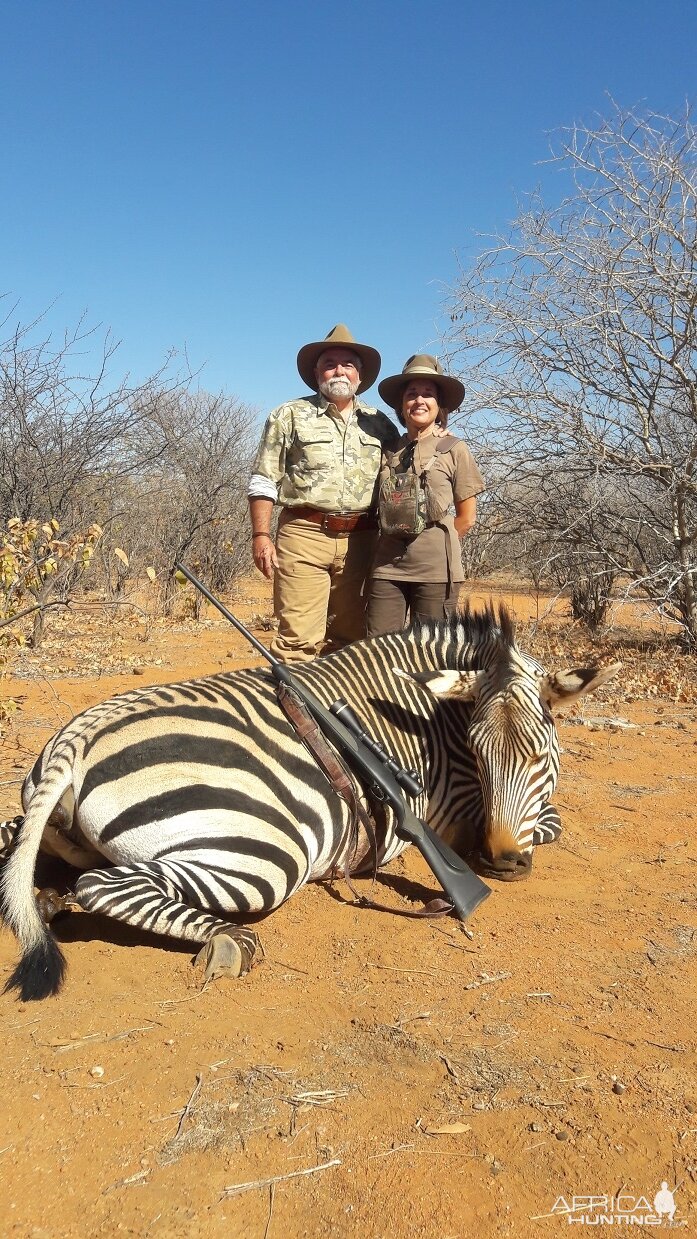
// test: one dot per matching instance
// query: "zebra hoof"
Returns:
(224, 956)
(50, 903)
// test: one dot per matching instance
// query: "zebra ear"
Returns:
(462, 685)
(563, 688)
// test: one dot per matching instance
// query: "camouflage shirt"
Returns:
(317, 459)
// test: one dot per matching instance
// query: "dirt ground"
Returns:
(373, 1076)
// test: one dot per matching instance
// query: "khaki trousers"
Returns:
(319, 589)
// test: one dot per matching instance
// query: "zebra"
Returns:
(192, 806)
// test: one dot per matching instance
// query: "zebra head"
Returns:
(511, 737)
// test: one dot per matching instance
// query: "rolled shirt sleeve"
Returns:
(262, 488)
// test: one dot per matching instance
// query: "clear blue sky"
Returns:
(234, 178)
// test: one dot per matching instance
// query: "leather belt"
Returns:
(335, 522)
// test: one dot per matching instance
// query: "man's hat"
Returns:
(422, 366)
(341, 336)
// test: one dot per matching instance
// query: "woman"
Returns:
(418, 565)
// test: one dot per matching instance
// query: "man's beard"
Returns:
(340, 389)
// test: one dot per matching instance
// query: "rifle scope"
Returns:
(408, 779)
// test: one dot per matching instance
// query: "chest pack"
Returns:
(406, 503)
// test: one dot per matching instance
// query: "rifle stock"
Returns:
(462, 886)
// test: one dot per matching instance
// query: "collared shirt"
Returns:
(309, 456)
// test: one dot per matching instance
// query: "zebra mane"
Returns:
(489, 630)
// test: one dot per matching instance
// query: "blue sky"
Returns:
(231, 179)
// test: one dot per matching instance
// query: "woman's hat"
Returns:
(422, 366)
(340, 335)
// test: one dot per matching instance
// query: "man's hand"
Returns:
(264, 553)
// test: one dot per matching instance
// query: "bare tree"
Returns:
(579, 334)
(158, 468)
(66, 434)
(191, 504)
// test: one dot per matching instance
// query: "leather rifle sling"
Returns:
(345, 786)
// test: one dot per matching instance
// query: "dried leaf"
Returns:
(447, 1129)
(151, 574)
(121, 555)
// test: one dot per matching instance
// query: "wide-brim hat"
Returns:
(422, 366)
(310, 354)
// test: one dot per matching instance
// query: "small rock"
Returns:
(138, 671)
(619, 1088)
(561, 1134)
(691, 1107)
(97, 1072)
(535, 1127)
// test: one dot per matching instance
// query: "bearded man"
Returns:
(319, 459)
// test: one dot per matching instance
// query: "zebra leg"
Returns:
(548, 826)
(8, 834)
(158, 897)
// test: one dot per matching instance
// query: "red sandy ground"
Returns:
(559, 1040)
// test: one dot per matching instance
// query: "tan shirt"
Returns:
(317, 459)
(452, 477)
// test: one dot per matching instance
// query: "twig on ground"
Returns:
(400, 1148)
(188, 1107)
(428, 972)
(485, 979)
(174, 1002)
(598, 1032)
(272, 1189)
(409, 1019)
(440, 929)
(450, 1067)
(237, 1188)
(75, 1044)
(95, 1084)
(323, 1097)
(291, 967)
(134, 1178)
(660, 1045)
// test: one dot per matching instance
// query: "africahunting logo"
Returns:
(621, 1210)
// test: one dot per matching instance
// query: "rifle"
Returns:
(374, 767)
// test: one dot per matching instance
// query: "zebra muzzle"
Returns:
(509, 866)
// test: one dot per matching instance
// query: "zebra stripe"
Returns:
(191, 805)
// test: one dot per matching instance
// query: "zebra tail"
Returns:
(41, 969)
